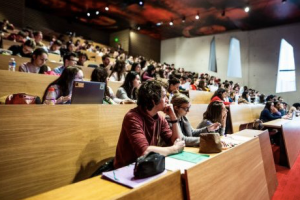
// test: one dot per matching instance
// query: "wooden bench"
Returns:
(195, 115)
(47, 147)
(200, 97)
(9, 43)
(35, 84)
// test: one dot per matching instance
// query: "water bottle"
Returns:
(236, 98)
(51, 96)
(12, 65)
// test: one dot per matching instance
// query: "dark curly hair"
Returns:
(149, 94)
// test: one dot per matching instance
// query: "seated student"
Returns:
(269, 112)
(279, 106)
(106, 63)
(143, 125)
(203, 86)
(69, 59)
(220, 95)
(39, 58)
(82, 57)
(173, 87)
(100, 74)
(24, 50)
(38, 37)
(118, 72)
(136, 67)
(20, 37)
(55, 47)
(244, 99)
(181, 104)
(70, 49)
(185, 84)
(128, 89)
(149, 74)
(216, 113)
(63, 86)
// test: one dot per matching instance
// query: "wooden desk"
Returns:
(46, 147)
(9, 43)
(237, 173)
(267, 157)
(200, 97)
(165, 187)
(291, 136)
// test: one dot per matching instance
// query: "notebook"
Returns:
(85, 92)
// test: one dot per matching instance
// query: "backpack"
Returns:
(22, 98)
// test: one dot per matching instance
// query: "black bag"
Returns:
(149, 165)
(108, 166)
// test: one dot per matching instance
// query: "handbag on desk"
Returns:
(149, 165)
(210, 143)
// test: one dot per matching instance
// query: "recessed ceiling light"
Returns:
(88, 14)
(107, 8)
(247, 9)
(97, 12)
(138, 28)
(197, 17)
(171, 23)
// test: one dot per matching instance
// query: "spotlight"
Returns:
(97, 12)
(138, 28)
(88, 14)
(159, 23)
(183, 19)
(141, 3)
(247, 9)
(197, 17)
(107, 8)
(171, 23)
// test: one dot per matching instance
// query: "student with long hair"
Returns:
(244, 99)
(181, 104)
(149, 74)
(118, 72)
(128, 89)
(100, 74)
(269, 112)
(203, 86)
(63, 86)
(38, 59)
(220, 95)
(136, 67)
(216, 113)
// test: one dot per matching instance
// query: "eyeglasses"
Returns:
(186, 109)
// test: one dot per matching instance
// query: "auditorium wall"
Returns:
(259, 56)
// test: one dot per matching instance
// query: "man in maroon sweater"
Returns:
(143, 126)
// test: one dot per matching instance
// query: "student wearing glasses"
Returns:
(39, 59)
(69, 60)
(216, 113)
(181, 104)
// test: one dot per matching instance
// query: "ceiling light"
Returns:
(171, 23)
(141, 3)
(159, 23)
(183, 19)
(138, 28)
(88, 14)
(197, 17)
(107, 8)
(247, 9)
(97, 12)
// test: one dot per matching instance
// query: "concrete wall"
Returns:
(144, 45)
(259, 55)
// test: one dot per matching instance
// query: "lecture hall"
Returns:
(145, 99)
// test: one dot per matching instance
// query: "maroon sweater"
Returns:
(139, 130)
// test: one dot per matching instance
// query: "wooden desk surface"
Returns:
(276, 123)
(267, 156)
(237, 173)
(97, 188)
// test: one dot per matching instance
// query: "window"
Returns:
(234, 61)
(286, 76)
(212, 66)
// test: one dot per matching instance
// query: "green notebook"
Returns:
(190, 157)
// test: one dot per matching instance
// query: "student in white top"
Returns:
(118, 72)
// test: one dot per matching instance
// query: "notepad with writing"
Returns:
(124, 176)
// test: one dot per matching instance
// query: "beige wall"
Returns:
(259, 54)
